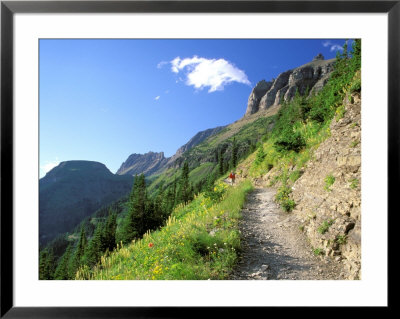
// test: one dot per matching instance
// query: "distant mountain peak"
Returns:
(152, 162)
(146, 164)
(74, 190)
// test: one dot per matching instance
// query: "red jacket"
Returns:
(232, 175)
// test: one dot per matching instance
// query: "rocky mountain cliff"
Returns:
(308, 77)
(146, 164)
(151, 163)
(195, 140)
(74, 190)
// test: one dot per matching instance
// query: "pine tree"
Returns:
(79, 253)
(46, 264)
(184, 190)
(62, 272)
(220, 163)
(139, 206)
(234, 153)
(109, 231)
(95, 248)
(135, 222)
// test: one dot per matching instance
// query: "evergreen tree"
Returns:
(62, 272)
(79, 253)
(135, 222)
(170, 200)
(110, 231)
(184, 190)
(139, 206)
(234, 153)
(96, 246)
(220, 163)
(46, 264)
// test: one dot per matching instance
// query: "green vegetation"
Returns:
(282, 197)
(295, 175)
(74, 191)
(323, 228)
(184, 224)
(341, 239)
(354, 183)
(318, 251)
(200, 241)
(340, 112)
(354, 144)
(356, 86)
(329, 181)
(302, 124)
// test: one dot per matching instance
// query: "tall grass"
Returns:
(199, 241)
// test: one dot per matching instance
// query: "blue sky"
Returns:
(103, 100)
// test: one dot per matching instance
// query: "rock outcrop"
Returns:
(146, 164)
(304, 79)
(328, 193)
(195, 140)
(331, 214)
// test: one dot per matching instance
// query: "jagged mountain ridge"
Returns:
(264, 100)
(146, 163)
(151, 162)
(311, 76)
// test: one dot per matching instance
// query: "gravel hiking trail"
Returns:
(274, 248)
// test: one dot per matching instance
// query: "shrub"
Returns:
(288, 205)
(282, 197)
(356, 86)
(289, 141)
(260, 155)
(340, 112)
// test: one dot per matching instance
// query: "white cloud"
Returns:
(333, 46)
(212, 73)
(157, 98)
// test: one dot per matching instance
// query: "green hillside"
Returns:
(74, 190)
(191, 214)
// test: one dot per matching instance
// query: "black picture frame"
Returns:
(9, 8)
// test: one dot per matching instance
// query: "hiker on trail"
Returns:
(232, 177)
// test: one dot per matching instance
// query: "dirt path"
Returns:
(274, 247)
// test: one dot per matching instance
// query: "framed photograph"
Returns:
(158, 156)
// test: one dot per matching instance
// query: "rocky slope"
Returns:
(331, 214)
(328, 193)
(74, 190)
(308, 77)
(195, 140)
(146, 164)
